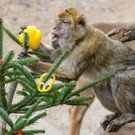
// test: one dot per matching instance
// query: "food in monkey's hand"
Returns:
(34, 36)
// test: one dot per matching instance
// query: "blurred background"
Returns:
(42, 13)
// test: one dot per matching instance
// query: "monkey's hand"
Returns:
(23, 55)
(22, 28)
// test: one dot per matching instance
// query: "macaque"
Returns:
(93, 55)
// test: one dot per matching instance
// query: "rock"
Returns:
(127, 129)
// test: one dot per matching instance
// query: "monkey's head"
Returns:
(69, 28)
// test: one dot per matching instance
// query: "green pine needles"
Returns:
(14, 73)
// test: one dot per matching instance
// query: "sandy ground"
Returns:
(41, 13)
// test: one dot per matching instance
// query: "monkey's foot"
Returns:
(104, 124)
(119, 121)
(113, 126)
(108, 120)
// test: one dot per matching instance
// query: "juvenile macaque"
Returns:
(93, 55)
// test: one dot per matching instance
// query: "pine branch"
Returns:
(31, 132)
(77, 100)
(1, 57)
(7, 59)
(25, 41)
(32, 108)
(55, 65)
(6, 118)
(1, 38)
(2, 93)
(58, 86)
(11, 92)
(27, 74)
(25, 61)
(33, 120)
(20, 124)
(12, 36)
(22, 93)
(19, 105)
(65, 92)
(90, 85)
(51, 71)
(77, 104)
(13, 73)
(45, 95)
(23, 81)
(23, 102)
(39, 54)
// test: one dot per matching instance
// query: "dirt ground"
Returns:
(41, 13)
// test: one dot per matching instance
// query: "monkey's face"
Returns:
(69, 28)
(60, 32)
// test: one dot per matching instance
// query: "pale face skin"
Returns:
(60, 33)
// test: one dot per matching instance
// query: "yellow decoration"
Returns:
(34, 37)
(44, 86)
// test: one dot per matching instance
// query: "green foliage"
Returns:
(25, 41)
(33, 120)
(31, 132)
(7, 59)
(6, 118)
(26, 73)
(26, 61)
(90, 85)
(1, 38)
(56, 64)
(32, 108)
(14, 73)
(39, 54)
(11, 36)
(19, 125)
(22, 62)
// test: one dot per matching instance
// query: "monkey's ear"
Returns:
(82, 21)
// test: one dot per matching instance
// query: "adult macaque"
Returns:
(93, 55)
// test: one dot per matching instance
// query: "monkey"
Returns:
(92, 55)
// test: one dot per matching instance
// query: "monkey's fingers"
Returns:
(113, 127)
(22, 28)
(104, 124)
(23, 55)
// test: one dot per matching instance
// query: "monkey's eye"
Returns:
(66, 22)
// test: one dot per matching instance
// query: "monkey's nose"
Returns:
(55, 27)
(53, 30)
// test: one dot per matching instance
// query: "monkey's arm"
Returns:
(45, 49)
(68, 69)
(42, 67)
(48, 49)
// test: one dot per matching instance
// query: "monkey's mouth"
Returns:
(55, 38)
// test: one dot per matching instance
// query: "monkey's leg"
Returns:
(108, 119)
(118, 122)
(77, 112)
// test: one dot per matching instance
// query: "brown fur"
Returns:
(92, 56)
(77, 112)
